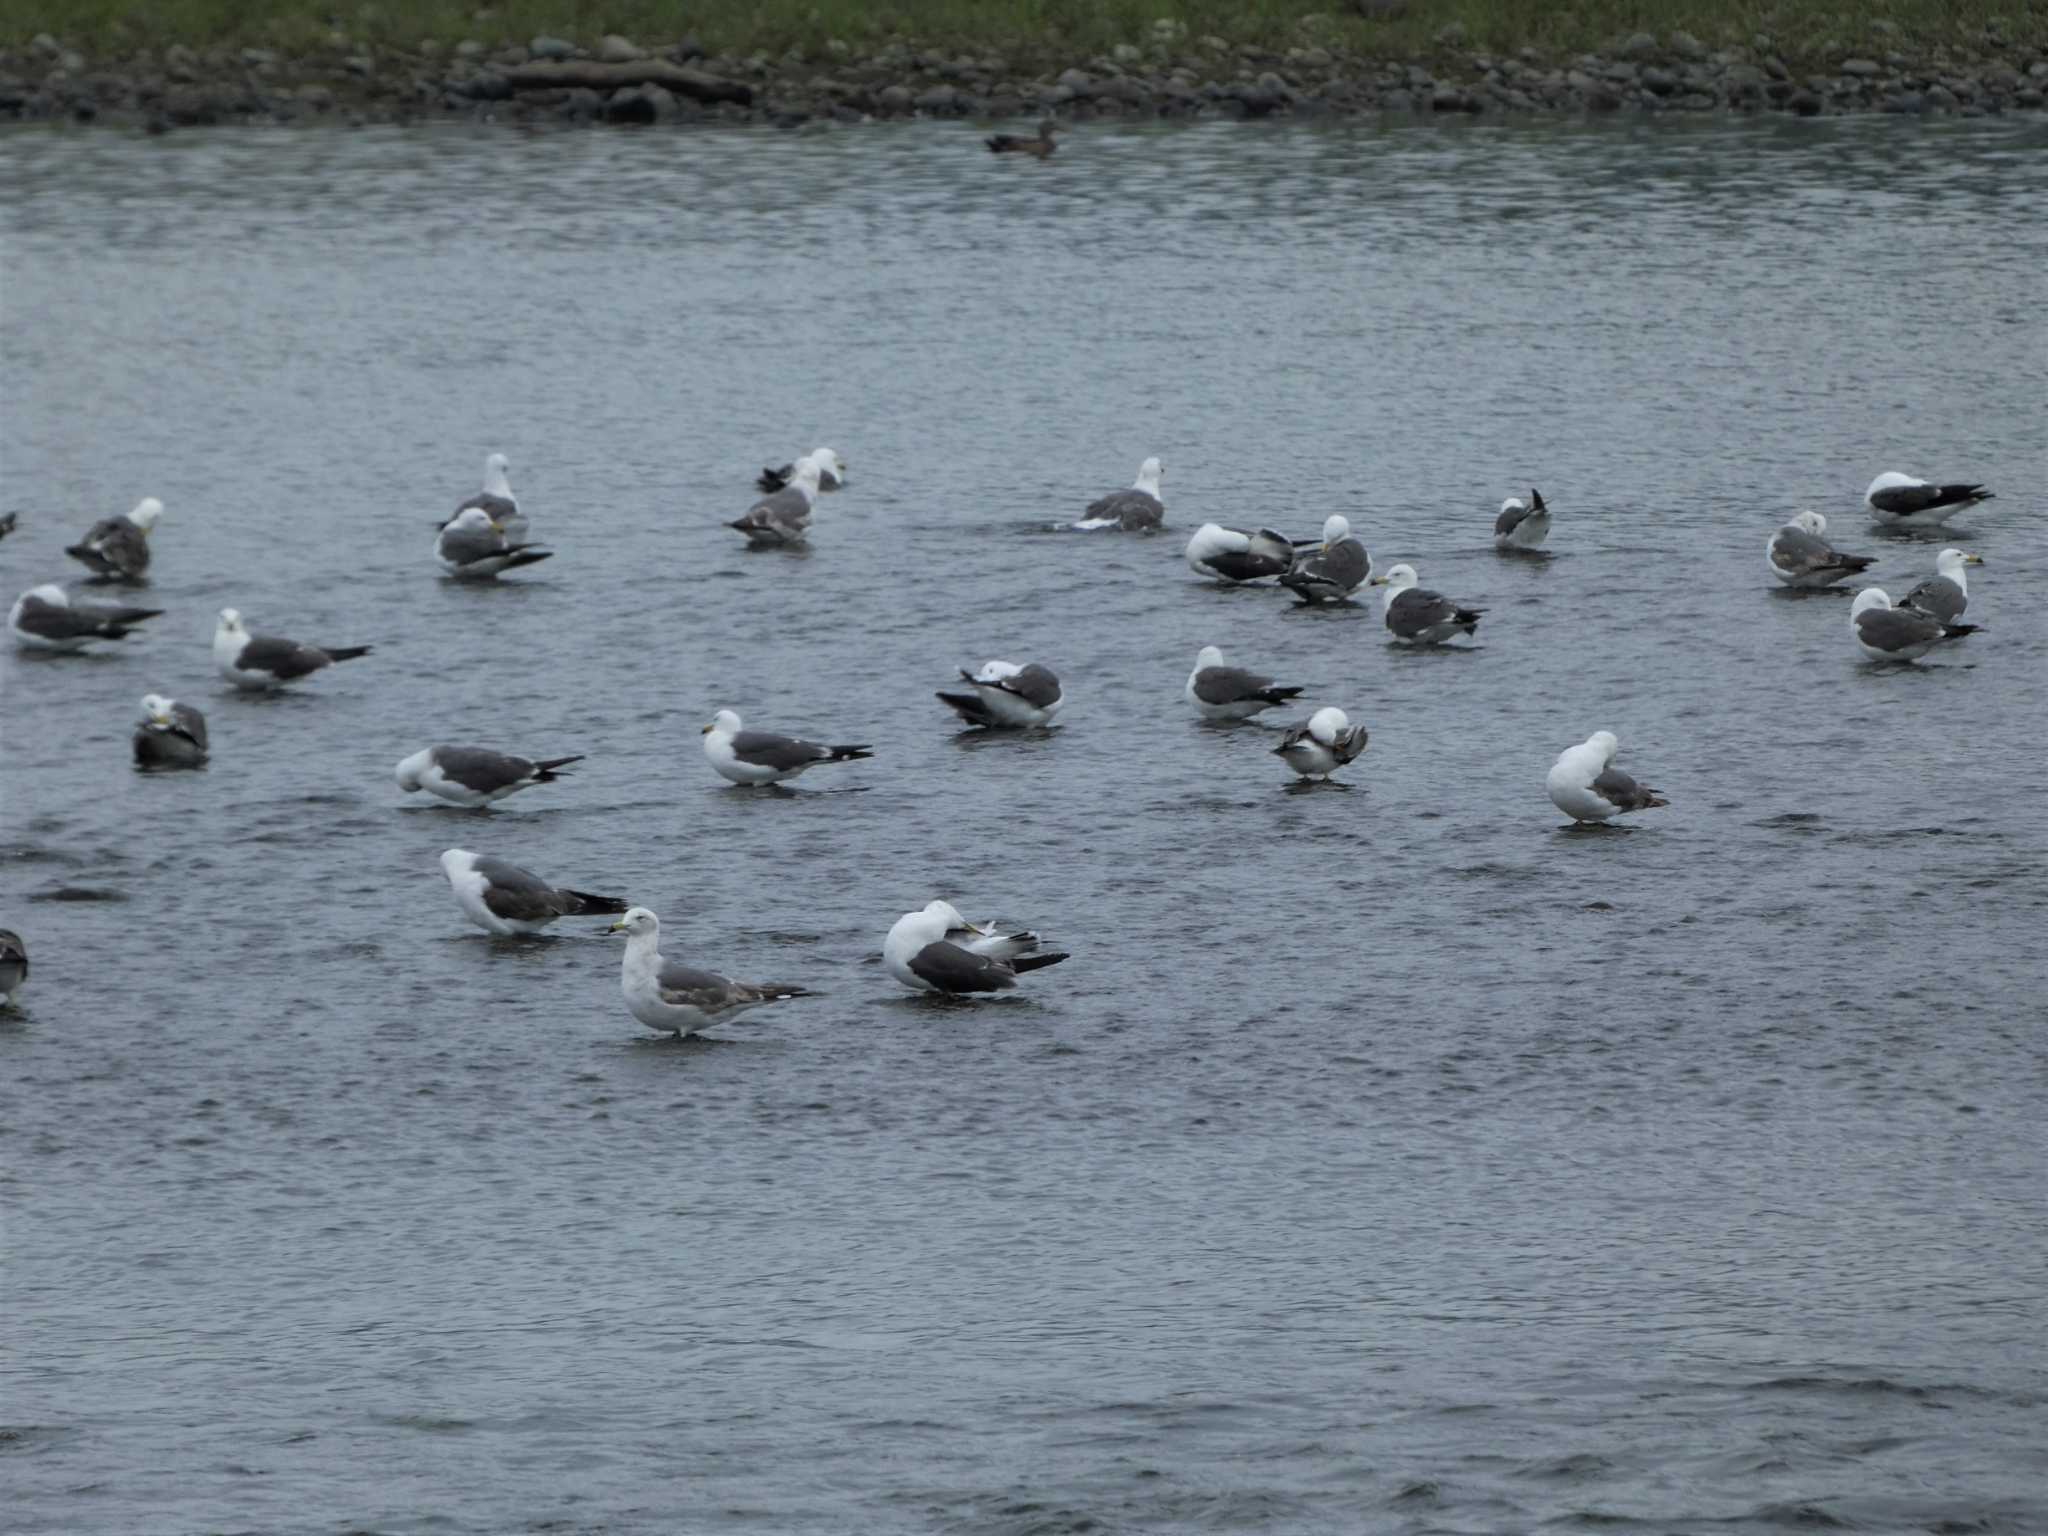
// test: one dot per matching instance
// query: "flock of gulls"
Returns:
(934, 949)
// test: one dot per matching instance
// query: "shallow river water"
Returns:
(1384, 1159)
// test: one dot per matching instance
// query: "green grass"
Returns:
(1028, 32)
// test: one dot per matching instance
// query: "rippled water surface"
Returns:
(1387, 1159)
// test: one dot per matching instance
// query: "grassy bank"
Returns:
(1052, 31)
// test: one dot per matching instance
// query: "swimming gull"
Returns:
(831, 472)
(1521, 525)
(1236, 557)
(1339, 567)
(1137, 510)
(1885, 633)
(1416, 616)
(919, 954)
(169, 735)
(1222, 692)
(1800, 557)
(474, 546)
(785, 517)
(762, 757)
(496, 500)
(1007, 696)
(46, 619)
(475, 776)
(1324, 744)
(13, 965)
(680, 999)
(257, 662)
(1586, 786)
(1012, 144)
(504, 899)
(1945, 594)
(1907, 502)
(119, 546)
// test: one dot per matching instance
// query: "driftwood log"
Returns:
(550, 75)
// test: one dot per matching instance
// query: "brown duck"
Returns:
(1010, 144)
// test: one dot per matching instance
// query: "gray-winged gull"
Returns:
(169, 734)
(831, 472)
(919, 953)
(474, 546)
(1885, 633)
(785, 517)
(474, 776)
(1905, 501)
(496, 500)
(502, 898)
(46, 619)
(762, 757)
(1338, 567)
(1416, 616)
(1800, 557)
(258, 662)
(13, 965)
(1006, 695)
(984, 938)
(1586, 786)
(1223, 692)
(1945, 594)
(1230, 555)
(1522, 525)
(1323, 744)
(681, 999)
(119, 546)
(1137, 510)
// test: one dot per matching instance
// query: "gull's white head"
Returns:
(1397, 580)
(1328, 723)
(809, 472)
(1208, 656)
(476, 520)
(1514, 504)
(637, 921)
(1811, 522)
(1604, 743)
(410, 770)
(1148, 477)
(456, 861)
(1335, 527)
(146, 512)
(1891, 479)
(946, 913)
(1950, 563)
(49, 592)
(1869, 598)
(156, 709)
(829, 462)
(496, 466)
(231, 622)
(724, 723)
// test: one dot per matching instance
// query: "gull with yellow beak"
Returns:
(169, 735)
(681, 999)
(1945, 594)
(473, 546)
(762, 757)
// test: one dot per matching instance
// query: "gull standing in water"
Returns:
(1326, 743)
(1945, 594)
(476, 776)
(169, 735)
(1007, 696)
(1234, 558)
(496, 500)
(762, 757)
(1885, 633)
(46, 619)
(1338, 568)
(1416, 616)
(1221, 692)
(1906, 502)
(919, 953)
(1137, 510)
(472, 546)
(1586, 786)
(1521, 525)
(504, 899)
(680, 999)
(784, 518)
(831, 473)
(118, 547)
(1800, 557)
(259, 662)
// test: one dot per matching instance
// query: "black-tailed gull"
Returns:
(46, 619)
(785, 517)
(1416, 616)
(1007, 696)
(496, 500)
(169, 734)
(680, 999)
(919, 954)
(474, 546)
(1522, 525)
(984, 938)
(1905, 501)
(1945, 594)
(1232, 556)
(504, 899)
(1586, 786)
(1137, 510)
(762, 757)
(258, 662)
(119, 546)
(13, 965)
(1323, 744)
(831, 472)
(1223, 692)
(1800, 557)
(1885, 633)
(474, 776)
(1339, 566)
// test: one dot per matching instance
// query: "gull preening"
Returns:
(1417, 616)
(1799, 556)
(1906, 502)
(762, 757)
(1006, 696)
(259, 662)
(504, 899)
(1234, 557)
(984, 938)
(1946, 593)
(920, 953)
(13, 965)
(831, 472)
(1222, 692)
(1338, 568)
(1586, 786)
(118, 547)
(1137, 510)
(476, 776)
(1522, 525)
(1325, 743)
(169, 734)
(681, 999)
(474, 546)
(496, 500)
(1885, 633)
(784, 518)
(46, 619)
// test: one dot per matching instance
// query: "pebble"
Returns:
(555, 48)
(615, 49)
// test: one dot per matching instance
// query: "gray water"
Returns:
(1384, 1159)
